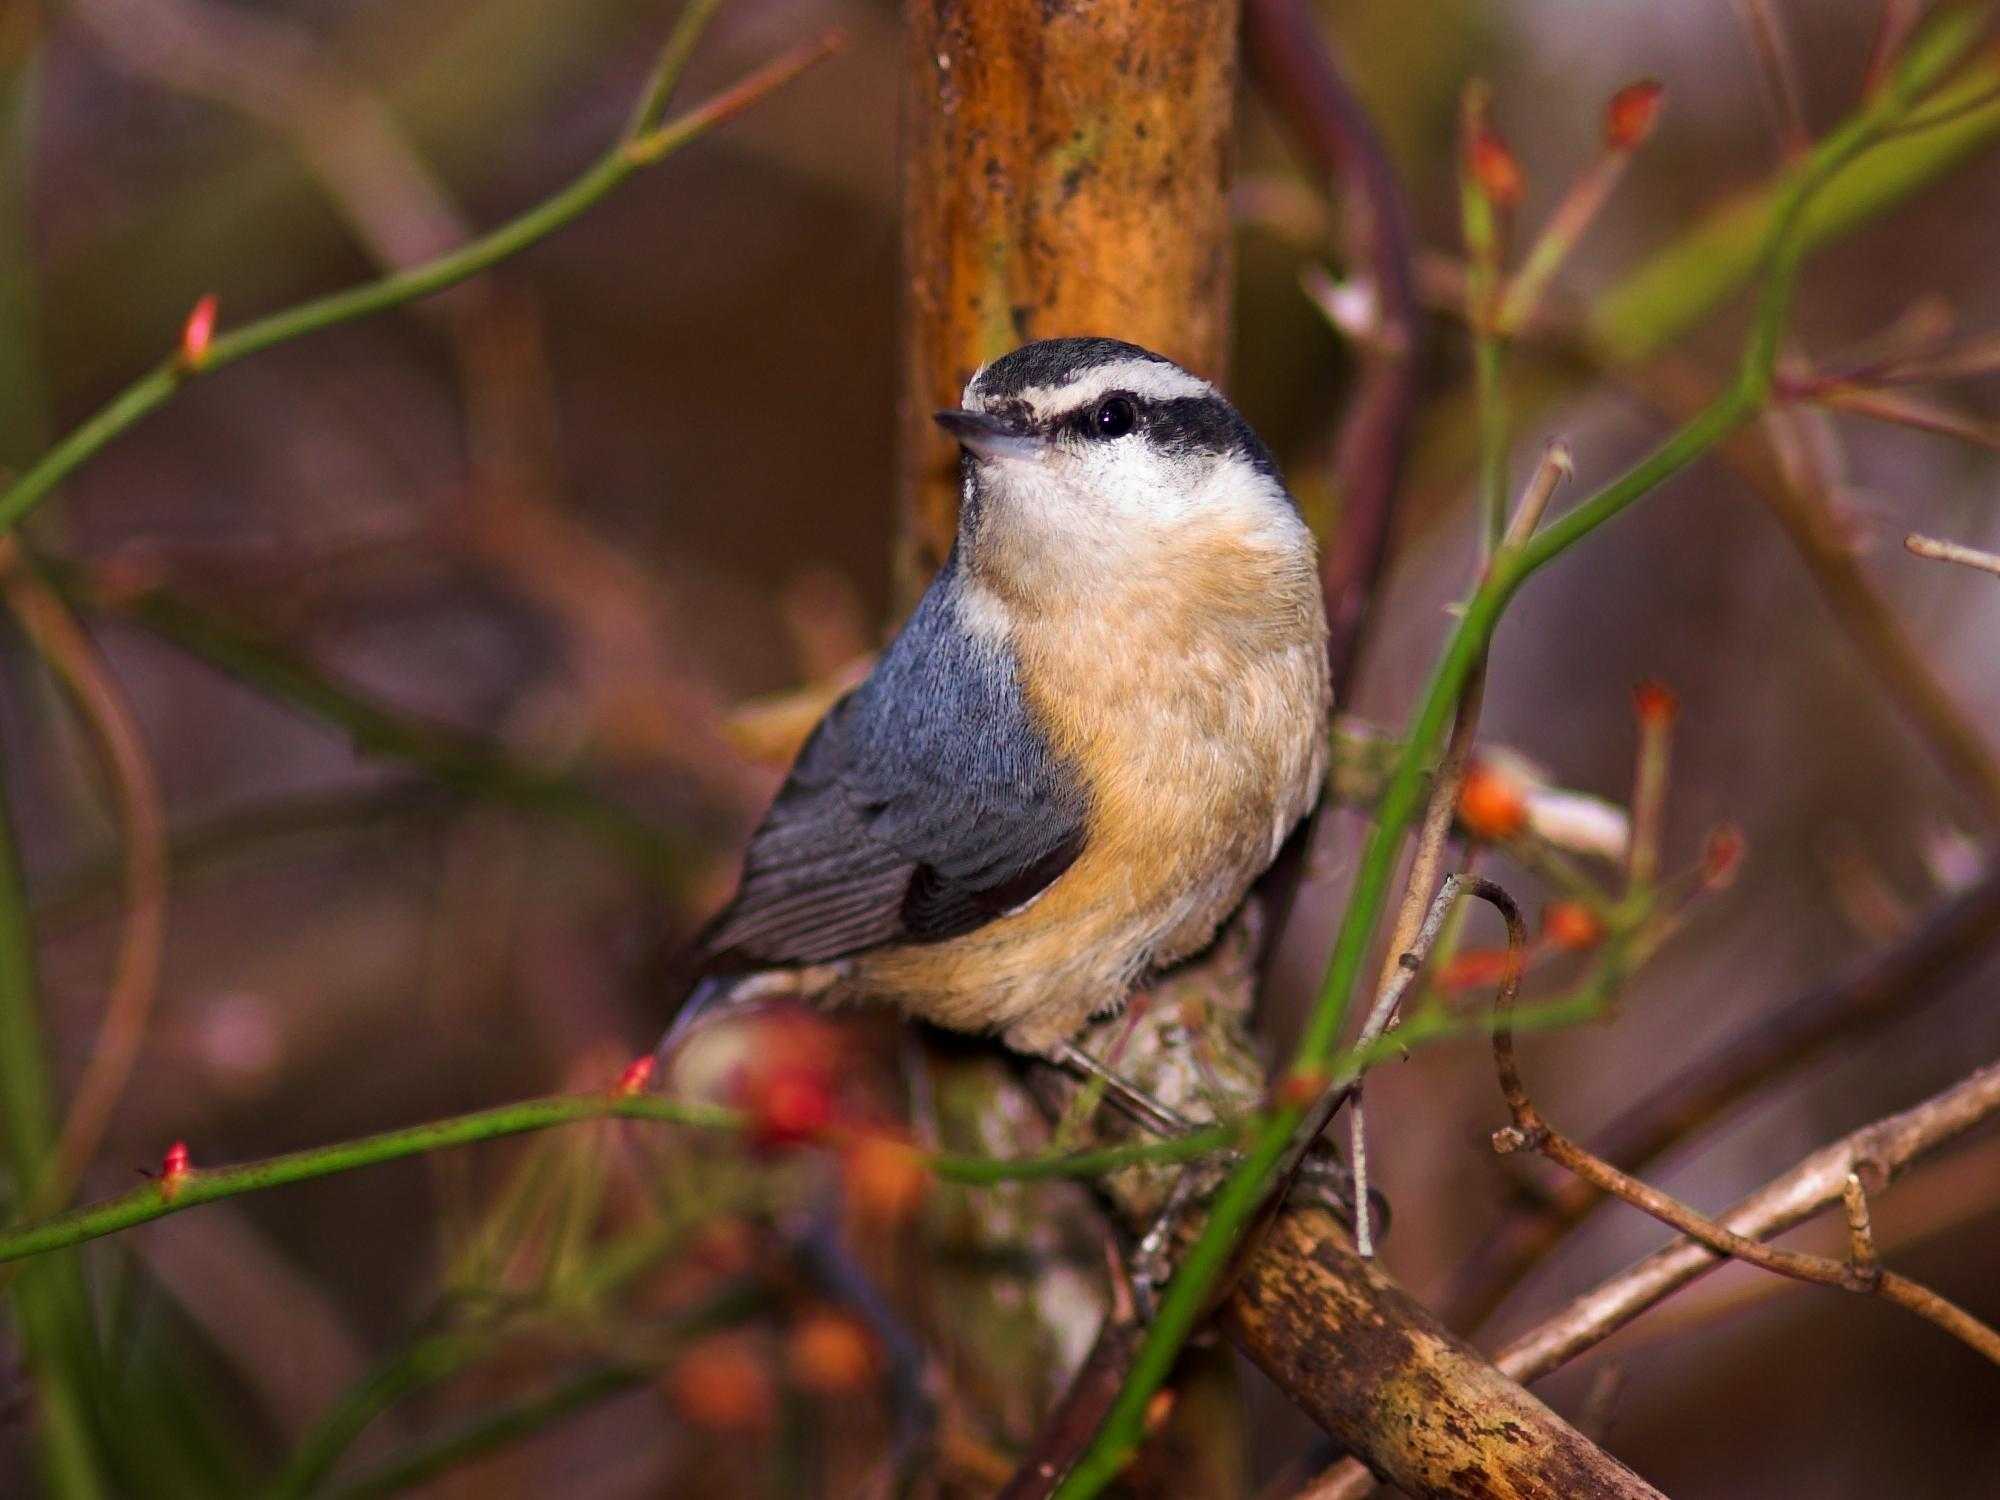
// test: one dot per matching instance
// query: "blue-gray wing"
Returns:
(926, 804)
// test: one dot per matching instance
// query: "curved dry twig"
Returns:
(141, 817)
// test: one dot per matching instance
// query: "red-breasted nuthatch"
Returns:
(1103, 719)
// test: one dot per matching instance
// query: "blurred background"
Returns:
(597, 508)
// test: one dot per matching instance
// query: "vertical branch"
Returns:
(1064, 173)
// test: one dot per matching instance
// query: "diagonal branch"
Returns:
(1531, 1132)
(1877, 1152)
(1882, 987)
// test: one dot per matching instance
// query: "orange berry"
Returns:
(1475, 968)
(886, 1177)
(1571, 926)
(1491, 804)
(724, 1384)
(831, 1354)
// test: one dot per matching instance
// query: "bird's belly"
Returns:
(1193, 786)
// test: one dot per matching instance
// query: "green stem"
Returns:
(207, 1185)
(626, 156)
(1488, 355)
(56, 1336)
(1188, 1296)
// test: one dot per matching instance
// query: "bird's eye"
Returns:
(1113, 418)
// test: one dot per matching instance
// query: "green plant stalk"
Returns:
(206, 1185)
(627, 156)
(54, 1312)
(1488, 357)
(1697, 270)
(1187, 1297)
(448, 756)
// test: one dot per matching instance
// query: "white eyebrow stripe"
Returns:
(1148, 379)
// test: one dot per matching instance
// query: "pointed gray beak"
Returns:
(989, 436)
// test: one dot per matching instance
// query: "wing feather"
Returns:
(926, 804)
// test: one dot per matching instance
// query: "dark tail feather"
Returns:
(711, 993)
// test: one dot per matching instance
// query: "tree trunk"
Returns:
(1065, 171)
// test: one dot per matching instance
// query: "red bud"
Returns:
(638, 1073)
(1494, 169)
(174, 1170)
(198, 333)
(1723, 856)
(1632, 113)
(1656, 703)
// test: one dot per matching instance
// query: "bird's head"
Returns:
(1088, 459)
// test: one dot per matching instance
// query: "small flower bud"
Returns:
(1632, 114)
(1656, 704)
(1476, 968)
(1494, 169)
(788, 1104)
(198, 333)
(174, 1169)
(1299, 1090)
(638, 1073)
(1722, 857)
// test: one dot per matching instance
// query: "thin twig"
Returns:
(1556, 465)
(1862, 1258)
(1403, 973)
(1953, 552)
(1781, 74)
